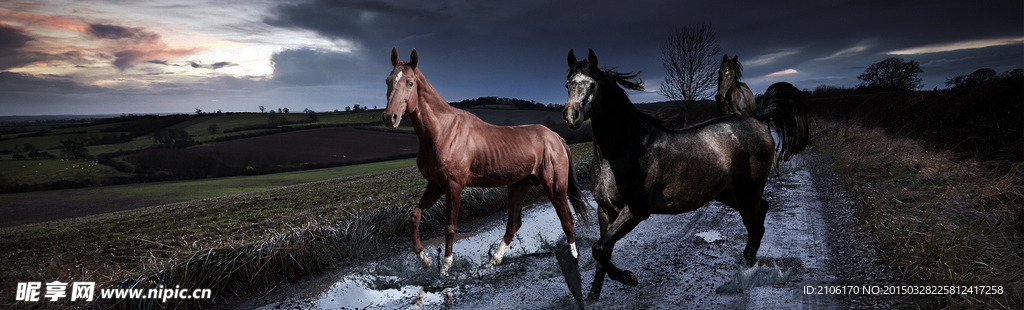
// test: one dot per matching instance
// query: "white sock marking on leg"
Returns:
(445, 265)
(499, 254)
(424, 259)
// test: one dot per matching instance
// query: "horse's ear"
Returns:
(725, 57)
(394, 57)
(736, 58)
(592, 58)
(572, 59)
(413, 59)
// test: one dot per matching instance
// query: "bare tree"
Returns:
(688, 56)
(893, 73)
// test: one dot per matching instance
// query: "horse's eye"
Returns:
(591, 86)
(410, 83)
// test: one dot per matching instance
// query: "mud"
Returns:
(692, 260)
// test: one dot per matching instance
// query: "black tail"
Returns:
(579, 204)
(782, 109)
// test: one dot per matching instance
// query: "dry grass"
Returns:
(940, 219)
(305, 229)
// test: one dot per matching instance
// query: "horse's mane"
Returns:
(736, 66)
(629, 80)
(626, 79)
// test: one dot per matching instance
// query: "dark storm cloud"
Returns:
(134, 45)
(359, 20)
(115, 32)
(125, 59)
(12, 40)
(14, 51)
(214, 66)
(526, 42)
(306, 67)
(194, 64)
(11, 83)
(112, 32)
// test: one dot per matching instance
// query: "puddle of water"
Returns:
(401, 282)
(356, 295)
(710, 235)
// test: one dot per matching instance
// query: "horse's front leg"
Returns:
(430, 196)
(452, 199)
(604, 218)
(622, 225)
(516, 192)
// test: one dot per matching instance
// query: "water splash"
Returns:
(710, 235)
(759, 275)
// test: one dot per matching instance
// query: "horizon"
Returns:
(109, 57)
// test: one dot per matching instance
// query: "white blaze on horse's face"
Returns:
(401, 87)
(582, 90)
(724, 82)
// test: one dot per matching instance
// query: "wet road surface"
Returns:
(691, 260)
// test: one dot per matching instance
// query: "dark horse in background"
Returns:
(733, 97)
(642, 168)
(457, 149)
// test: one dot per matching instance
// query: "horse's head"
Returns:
(582, 86)
(728, 73)
(402, 86)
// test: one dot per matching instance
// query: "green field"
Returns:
(198, 127)
(38, 171)
(123, 197)
(117, 245)
(43, 173)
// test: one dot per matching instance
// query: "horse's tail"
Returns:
(782, 109)
(579, 203)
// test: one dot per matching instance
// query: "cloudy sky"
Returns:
(101, 57)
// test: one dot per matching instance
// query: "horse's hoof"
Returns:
(445, 265)
(592, 296)
(493, 262)
(424, 259)
(750, 261)
(628, 278)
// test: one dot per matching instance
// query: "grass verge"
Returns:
(941, 220)
(235, 245)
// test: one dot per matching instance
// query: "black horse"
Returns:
(642, 168)
(733, 96)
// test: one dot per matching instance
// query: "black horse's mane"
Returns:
(736, 67)
(628, 80)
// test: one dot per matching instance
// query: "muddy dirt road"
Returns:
(692, 260)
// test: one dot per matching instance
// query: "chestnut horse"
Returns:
(642, 168)
(733, 97)
(459, 150)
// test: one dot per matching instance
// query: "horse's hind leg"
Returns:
(516, 192)
(753, 219)
(430, 196)
(556, 193)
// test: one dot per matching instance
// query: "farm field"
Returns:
(30, 159)
(34, 207)
(114, 246)
(54, 170)
(329, 145)
(148, 148)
